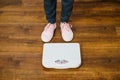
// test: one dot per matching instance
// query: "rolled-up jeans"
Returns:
(50, 10)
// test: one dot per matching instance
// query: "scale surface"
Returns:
(61, 55)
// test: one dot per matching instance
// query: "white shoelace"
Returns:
(48, 26)
(67, 26)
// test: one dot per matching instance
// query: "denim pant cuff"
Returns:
(64, 19)
(52, 21)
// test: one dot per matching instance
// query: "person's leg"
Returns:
(50, 10)
(67, 7)
(67, 33)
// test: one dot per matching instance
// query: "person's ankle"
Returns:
(64, 22)
(51, 23)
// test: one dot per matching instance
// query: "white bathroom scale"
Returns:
(61, 55)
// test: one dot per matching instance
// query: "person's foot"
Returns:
(48, 32)
(66, 31)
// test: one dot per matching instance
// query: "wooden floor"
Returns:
(96, 26)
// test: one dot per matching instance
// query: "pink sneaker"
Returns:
(66, 31)
(48, 32)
